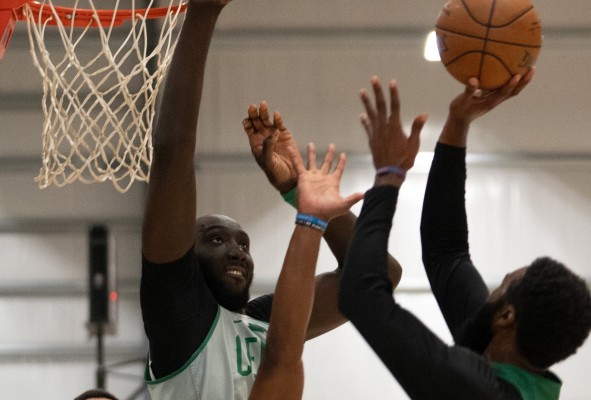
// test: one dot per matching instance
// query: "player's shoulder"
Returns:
(260, 307)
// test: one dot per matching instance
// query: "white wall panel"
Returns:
(21, 132)
(62, 321)
(20, 198)
(517, 211)
(315, 83)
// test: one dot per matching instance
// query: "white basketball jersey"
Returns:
(223, 368)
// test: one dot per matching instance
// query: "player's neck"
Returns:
(503, 349)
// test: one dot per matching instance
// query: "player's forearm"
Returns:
(365, 276)
(181, 95)
(338, 235)
(455, 131)
(293, 298)
(169, 214)
(444, 227)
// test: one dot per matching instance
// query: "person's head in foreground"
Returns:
(544, 310)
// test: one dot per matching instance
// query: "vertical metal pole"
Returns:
(100, 359)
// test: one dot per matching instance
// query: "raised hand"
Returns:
(474, 102)
(318, 188)
(269, 141)
(388, 143)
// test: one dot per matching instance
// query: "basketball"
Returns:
(488, 39)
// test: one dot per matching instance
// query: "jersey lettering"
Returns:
(248, 343)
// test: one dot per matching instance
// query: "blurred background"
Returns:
(528, 190)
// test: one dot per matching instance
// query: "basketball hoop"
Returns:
(99, 104)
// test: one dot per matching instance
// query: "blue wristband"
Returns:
(311, 221)
(391, 169)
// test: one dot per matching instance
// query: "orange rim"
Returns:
(87, 17)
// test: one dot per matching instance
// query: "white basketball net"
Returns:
(99, 94)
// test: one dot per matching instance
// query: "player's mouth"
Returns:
(236, 272)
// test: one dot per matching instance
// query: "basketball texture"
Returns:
(489, 39)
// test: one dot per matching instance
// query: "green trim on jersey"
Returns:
(529, 385)
(149, 380)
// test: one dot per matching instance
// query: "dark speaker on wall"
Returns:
(102, 280)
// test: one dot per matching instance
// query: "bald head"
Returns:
(222, 248)
(209, 220)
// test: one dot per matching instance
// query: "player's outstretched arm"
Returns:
(280, 375)
(169, 216)
(364, 280)
(269, 141)
(444, 224)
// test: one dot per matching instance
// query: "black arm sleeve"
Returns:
(423, 365)
(458, 287)
(260, 308)
(178, 309)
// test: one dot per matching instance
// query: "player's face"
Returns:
(511, 277)
(223, 250)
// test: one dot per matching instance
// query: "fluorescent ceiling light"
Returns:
(431, 52)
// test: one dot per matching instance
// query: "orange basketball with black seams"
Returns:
(489, 39)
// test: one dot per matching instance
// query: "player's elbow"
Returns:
(394, 272)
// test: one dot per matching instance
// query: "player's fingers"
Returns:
(353, 199)
(278, 121)
(247, 126)
(328, 157)
(380, 100)
(264, 115)
(414, 140)
(394, 99)
(340, 168)
(472, 87)
(418, 124)
(527, 78)
(269, 148)
(394, 105)
(365, 123)
(296, 159)
(253, 114)
(311, 156)
(497, 96)
(369, 110)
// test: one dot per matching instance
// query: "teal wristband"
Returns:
(311, 221)
(291, 197)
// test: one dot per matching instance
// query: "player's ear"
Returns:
(504, 316)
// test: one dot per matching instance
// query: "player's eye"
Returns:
(216, 240)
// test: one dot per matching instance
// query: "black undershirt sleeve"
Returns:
(178, 310)
(260, 307)
(423, 364)
(457, 285)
